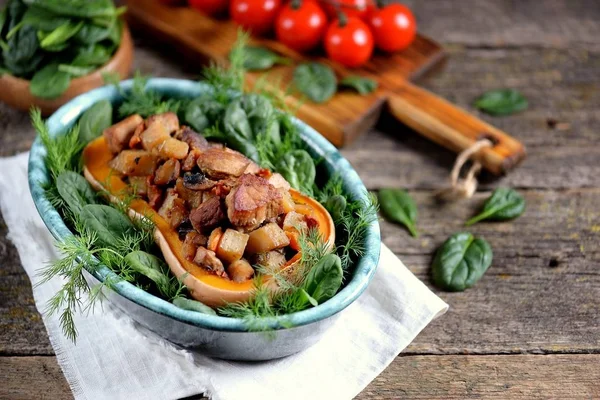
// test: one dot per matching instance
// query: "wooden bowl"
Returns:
(15, 91)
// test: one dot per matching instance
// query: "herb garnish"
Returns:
(361, 84)
(502, 205)
(461, 261)
(502, 102)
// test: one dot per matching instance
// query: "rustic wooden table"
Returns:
(531, 327)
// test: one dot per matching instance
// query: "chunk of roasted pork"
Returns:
(253, 201)
(219, 163)
(118, 136)
(208, 215)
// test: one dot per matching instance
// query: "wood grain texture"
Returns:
(488, 377)
(540, 297)
(414, 377)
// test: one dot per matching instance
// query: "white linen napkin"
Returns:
(115, 358)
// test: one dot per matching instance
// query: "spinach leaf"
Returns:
(93, 55)
(361, 84)
(503, 204)
(95, 120)
(238, 130)
(75, 191)
(107, 223)
(262, 117)
(298, 168)
(76, 8)
(154, 269)
(91, 34)
(461, 261)
(399, 207)
(336, 205)
(21, 56)
(74, 70)
(203, 112)
(324, 279)
(60, 35)
(315, 80)
(42, 20)
(193, 305)
(49, 82)
(260, 58)
(502, 102)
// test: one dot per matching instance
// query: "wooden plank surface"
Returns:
(530, 326)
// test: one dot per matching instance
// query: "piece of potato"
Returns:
(168, 120)
(134, 163)
(232, 245)
(153, 136)
(172, 148)
(294, 222)
(173, 209)
(266, 238)
(240, 271)
(168, 172)
(272, 260)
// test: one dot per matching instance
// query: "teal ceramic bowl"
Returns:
(216, 336)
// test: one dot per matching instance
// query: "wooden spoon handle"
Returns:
(454, 128)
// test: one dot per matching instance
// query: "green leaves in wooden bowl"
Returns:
(461, 261)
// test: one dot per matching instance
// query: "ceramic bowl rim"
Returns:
(66, 116)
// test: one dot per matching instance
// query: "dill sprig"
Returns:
(352, 224)
(226, 79)
(146, 102)
(62, 150)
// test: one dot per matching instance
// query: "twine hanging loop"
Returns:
(462, 188)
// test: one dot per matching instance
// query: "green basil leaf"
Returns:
(502, 205)
(60, 35)
(361, 84)
(107, 223)
(399, 207)
(260, 58)
(502, 102)
(298, 168)
(324, 279)
(94, 121)
(315, 80)
(461, 261)
(49, 82)
(193, 305)
(75, 191)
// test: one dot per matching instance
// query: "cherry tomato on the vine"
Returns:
(210, 7)
(352, 8)
(394, 27)
(257, 16)
(301, 24)
(349, 42)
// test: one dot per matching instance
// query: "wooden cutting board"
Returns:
(199, 38)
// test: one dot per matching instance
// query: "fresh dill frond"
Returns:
(333, 187)
(62, 150)
(225, 79)
(353, 225)
(146, 102)
(254, 311)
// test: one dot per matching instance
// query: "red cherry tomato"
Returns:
(210, 7)
(301, 24)
(394, 27)
(257, 16)
(351, 8)
(349, 42)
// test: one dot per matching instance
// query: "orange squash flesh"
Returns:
(204, 286)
